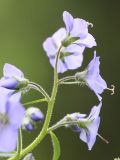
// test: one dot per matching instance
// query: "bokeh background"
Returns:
(24, 25)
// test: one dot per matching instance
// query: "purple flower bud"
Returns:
(27, 124)
(35, 114)
(29, 127)
(38, 116)
(29, 157)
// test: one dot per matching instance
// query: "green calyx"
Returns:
(69, 40)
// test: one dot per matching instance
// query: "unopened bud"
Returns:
(35, 114)
(29, 157)
(27, 124)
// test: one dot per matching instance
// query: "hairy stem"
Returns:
(51, 102)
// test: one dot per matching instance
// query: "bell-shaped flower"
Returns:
(87, 127)
(73, 39)
(92, 78)
(11, 116)
(12, 77)
(89, 133)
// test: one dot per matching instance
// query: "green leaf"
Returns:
(56, 146)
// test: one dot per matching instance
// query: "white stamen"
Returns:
(106, 141)
(112, 89)
(90, 24)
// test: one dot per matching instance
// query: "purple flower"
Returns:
(93, 77)
(11, 115)
(89, 133)
(74, 38)
(12, 77)
(87, 127)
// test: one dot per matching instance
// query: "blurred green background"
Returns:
(24, 25)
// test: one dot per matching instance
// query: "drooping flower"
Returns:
(87, 127)
(12, 77)
(73, 39)
(92, 77)
(11, 115)
(88, 134)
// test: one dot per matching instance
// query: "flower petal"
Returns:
(16, 111)
(74, 61)
(68, 20)
(74, 48)
(95, 111)
(80, 28)
(88, 41)
(61, 66)
(9, 83)
(11, 71)
(93, 129)
(59, 36)
(49, 47)
(8, 139)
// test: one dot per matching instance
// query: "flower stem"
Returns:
(64, 79)
(51, 102)
(35, 101)
(40, 89)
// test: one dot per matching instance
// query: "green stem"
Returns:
(63, 123)
(35, 101)
(49, 111)
(40, 89)
(70, 82)
(66, 79)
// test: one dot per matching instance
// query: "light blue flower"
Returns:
(12, 77)
(74, 38)
(93, 77)
(88, 134)
(87, 126)
(11, 116)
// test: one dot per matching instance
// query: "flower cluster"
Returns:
(73, 39)
(68, 44)
(65, 50)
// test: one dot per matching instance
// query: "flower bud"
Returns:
(35, 114)
(27, 124)
(29, 157)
